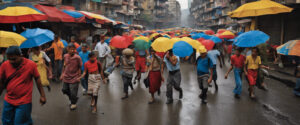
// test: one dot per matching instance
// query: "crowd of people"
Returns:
(91, 66)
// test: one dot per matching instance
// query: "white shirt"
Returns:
(103, 49)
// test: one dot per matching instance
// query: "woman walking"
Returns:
(40, 58)
(94, 69)
(156, 78)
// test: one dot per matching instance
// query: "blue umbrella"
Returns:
(107, 41)
(73, 13)
(182, 49)
(251, 39)
(215, 39)
(36, 37)
(201, 35)
(64, 42)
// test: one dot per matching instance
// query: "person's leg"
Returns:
(66, 90)
(95, 104)
(23, 115)
(83, 82)
(177, 81)
(125, 86)
(73, 93)
(252, 76)
(60, 65)
(8, 114)
(238, 82)
(55, 70)
(204, 81)
(169, 93)
(297, 87)
(215, 77)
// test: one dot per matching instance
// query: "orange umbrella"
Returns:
(119, 42)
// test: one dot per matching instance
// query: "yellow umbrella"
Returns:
(259, 8)
(153, 35)
(201, 49)
(8, 39)
(142, 38)
(194, 43)
(174, 40)
(162, 44)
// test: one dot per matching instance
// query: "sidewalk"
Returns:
(284, 75)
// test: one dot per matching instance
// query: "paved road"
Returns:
(277, 106)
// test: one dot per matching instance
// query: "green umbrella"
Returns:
(141, 44)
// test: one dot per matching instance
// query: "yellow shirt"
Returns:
(58, 50)
(251, 63)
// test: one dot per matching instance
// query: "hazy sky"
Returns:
(183, 4)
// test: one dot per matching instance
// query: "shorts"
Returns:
(140, 64)
(94, 84)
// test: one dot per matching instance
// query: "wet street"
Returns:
(277, 106)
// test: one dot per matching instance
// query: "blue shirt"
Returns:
(203, 65)
(171, 67)
(78, 49)
(213, 55)
(84, 58)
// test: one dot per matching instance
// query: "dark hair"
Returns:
(92, 54)
(71, 45)
(14, 50)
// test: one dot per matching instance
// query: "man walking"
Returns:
(237, 64)
(58, 47)
(103, 50)
(204, 73)
(71, 74)
(84, 55)
(213, 55)
(173, 65)
(17, 76)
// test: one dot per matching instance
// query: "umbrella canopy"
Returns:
(209, 32)
(162, 44)
(227, 35)
(182, 49)
(194, 43)
(55, 15)
(64, 42)
(141, 44)
(98, 18)
(290, 48)
(201, 35)
(8, 39)
(209, 45)
(142, 38)
(153, 35)
(36, 37)
(215, 39)
(259, 8)
(20, 13)
(251, 39)
(119, 42)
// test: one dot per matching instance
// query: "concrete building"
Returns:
(212, 14)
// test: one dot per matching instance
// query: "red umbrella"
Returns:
(221, 31)
(129, 39)
(209, 44)
(119, 42)
(209, 32)
(200, 39)
(55, 15)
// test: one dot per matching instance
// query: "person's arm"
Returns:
(229, 70)
(51, 47)
(210, 75)
(108, 50)
(83, 74)
(162, 71)
(174, 61)
(38, 82)
(41, 90)
(63, 69)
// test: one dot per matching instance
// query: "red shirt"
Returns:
(229, 49)
(19, 89)
(91, 67)
(72, 68)
(238, 62)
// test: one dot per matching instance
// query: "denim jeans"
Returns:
(238, 81)
(297, 88)
(57, 68)
(16, 115)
